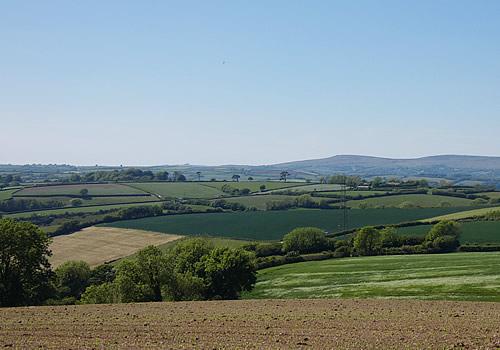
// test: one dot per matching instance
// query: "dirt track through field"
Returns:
(256, 324)
(97, 245)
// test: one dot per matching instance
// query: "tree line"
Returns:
(131, 174)
(193, 270)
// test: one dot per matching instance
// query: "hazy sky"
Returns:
(255, 82)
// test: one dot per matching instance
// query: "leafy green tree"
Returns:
(443, 228)
(84, 193)
(389, 238)
(236, 177)
(76, 202)
(153, 267)
(162, 175)
(179, 177)
(186, 254)
(445, 243)
(376, 182)
(130, 284)
(284, 175)
(367, 241)
(24, 267)
(227, 272)
(72, 278)
(305, 201)
(198, 173)
(102, 274)
(305, 240)
(100, 294)
(262, 188)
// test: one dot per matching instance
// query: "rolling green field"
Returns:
(179, 189)
(97, 200)
(456, 276)
(77, 209)
(272, 225)
(94, 189)
(463, 214)
(6, 194)
(354, 193)
(253, 186)
(494, 195)
(418, 200)
(260, 201)
(316, 187)
(472, 232)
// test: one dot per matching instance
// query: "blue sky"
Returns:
(253, 82)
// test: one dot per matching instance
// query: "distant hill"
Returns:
(459, 168)
(456, 167)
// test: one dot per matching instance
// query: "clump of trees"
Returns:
(302, 201)
(226, 188)
(131, 174)
(223, 204)
(305, 240)
(25, 273)
(9, 180)
(310, 243)
(193, 270)
(21, 204)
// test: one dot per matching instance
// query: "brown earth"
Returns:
(98, 245)
(256, 324)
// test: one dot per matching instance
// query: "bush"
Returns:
(443, 228)
(100, 294)
(305, 240)
(267, 249)
(445, 244)
(72, 278)
(367, 241)
(76, 202)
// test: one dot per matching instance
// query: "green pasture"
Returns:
(464, 214)
(71, 189)
(454, 276)
(272, 225)
(253, 186)
(96, 200)
(315, 187)
(260, 201)
(417, 200)
(472, 232)
(493, 195)
(6, 194)
(362, 193)
(179, 189)
(77, 209)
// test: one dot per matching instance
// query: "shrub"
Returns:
(72, 278)
(76, 202)
(367, 241)
(443, 228)
(305, 240)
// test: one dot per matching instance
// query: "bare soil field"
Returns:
(256, 324)
(97, 245)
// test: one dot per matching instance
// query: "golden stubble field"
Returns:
(256, 324)
(98, 245)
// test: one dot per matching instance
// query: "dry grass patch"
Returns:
(98, 245)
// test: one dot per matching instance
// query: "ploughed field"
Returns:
(453, 276)
(256, 324)
(272, 225)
